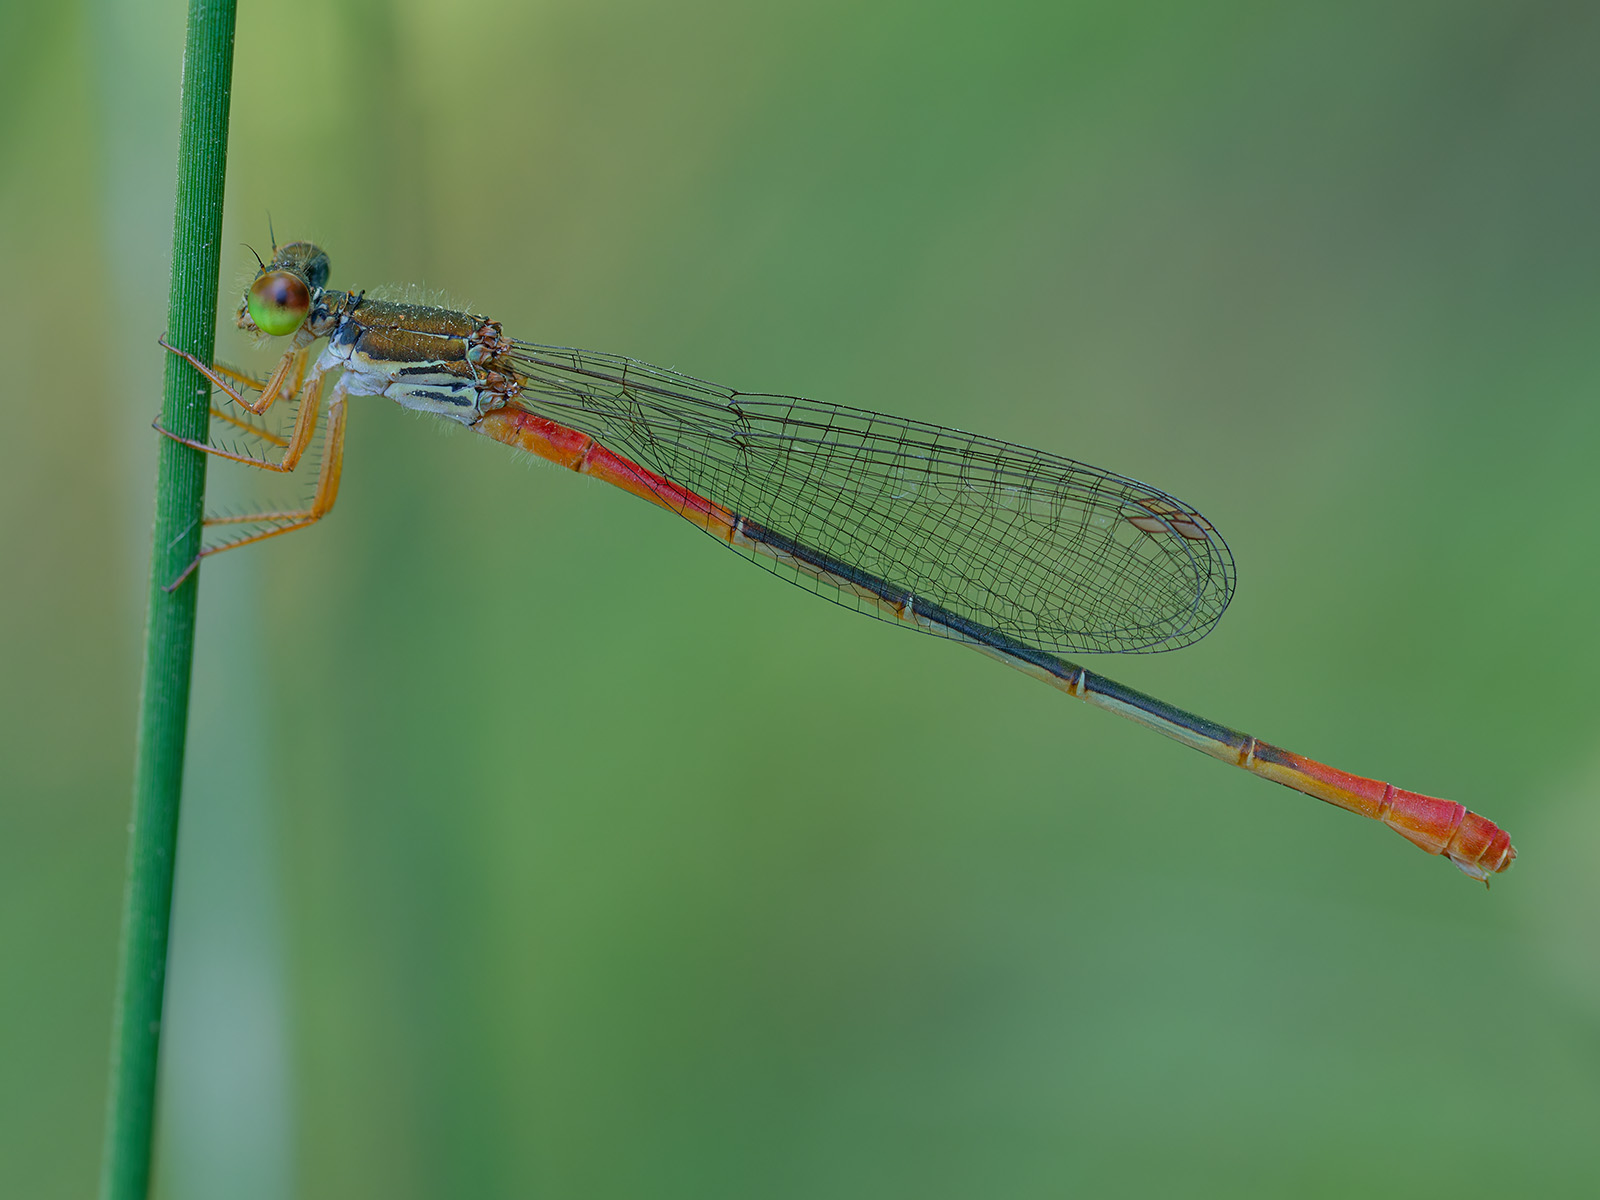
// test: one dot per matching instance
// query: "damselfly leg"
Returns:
(288, 379)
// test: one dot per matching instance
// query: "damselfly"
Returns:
(1018, 553)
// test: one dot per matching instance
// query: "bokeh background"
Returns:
(533, 845)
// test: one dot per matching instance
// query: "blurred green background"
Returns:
(533, 845)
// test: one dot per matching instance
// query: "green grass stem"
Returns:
(169, 634)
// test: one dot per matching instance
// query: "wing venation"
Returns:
(1064, 556)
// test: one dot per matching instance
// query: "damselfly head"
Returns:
(281, 295)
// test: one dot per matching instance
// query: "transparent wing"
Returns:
(1063, 556)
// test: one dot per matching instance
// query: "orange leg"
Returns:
(254, 430)
(241, 380)
(289, 519)
(284, 380)
(305, 426)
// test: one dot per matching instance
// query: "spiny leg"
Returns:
(301, 518)
(240, 379)
(305, 425)
(253, 430)
(243, 381)
(284, 380)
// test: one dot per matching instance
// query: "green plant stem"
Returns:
(169, 634)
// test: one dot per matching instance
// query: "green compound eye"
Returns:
(278, 302)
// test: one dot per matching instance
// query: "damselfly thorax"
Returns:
(427, 359)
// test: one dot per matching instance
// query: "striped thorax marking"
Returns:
(427, 359)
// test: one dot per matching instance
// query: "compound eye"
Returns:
(278, 302)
